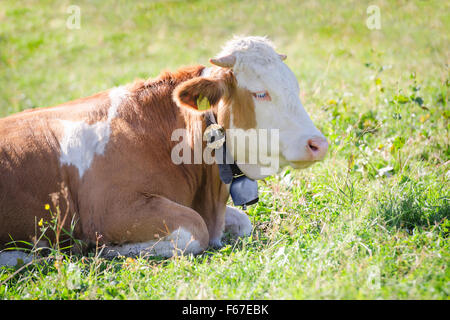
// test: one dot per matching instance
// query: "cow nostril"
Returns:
(312, 146)
(317, 147)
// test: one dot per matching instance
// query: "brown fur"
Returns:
(243, 108)
(220, 86)
(133, 192)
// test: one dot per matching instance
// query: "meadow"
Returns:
(371, 221)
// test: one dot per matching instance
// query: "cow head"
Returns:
(251, 89)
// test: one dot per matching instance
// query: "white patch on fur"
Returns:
(13, 258)
(258, 68)
(237, 222)
(206, 72)
(81, 141)
(215, 243)
(178, 242)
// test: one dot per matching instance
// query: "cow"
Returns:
(113, 153)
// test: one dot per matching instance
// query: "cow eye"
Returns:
(262, 95)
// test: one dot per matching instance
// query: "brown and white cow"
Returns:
(113, 152)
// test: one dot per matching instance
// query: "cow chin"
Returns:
(301, 164)
(296, 164)
(256, 172)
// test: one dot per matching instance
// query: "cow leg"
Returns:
(237, 222)
(155, 226)
(14, 258)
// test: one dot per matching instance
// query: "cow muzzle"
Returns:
(316, 148)
(312, 149)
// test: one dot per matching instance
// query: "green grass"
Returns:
(372, 221)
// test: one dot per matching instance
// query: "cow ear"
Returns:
(199, 93)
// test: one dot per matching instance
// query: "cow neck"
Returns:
(227, 166)
(243, 190)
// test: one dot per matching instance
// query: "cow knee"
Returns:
(179, 242)
(182, 241)
(189, 236)
(183, 233)
(14, 258)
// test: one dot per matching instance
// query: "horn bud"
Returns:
(224, 61)
(282, 56)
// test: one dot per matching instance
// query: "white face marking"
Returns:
(260, 69)
(179, 241)
(237, 222)
(81, 141)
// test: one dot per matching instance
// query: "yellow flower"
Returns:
(424, 118)
(331, 101)
(129, 261)
(41, 222)
(367, 123)
(47, 207)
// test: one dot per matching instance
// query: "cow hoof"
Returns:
(215, 243)
(14, 258)
(237, 222)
